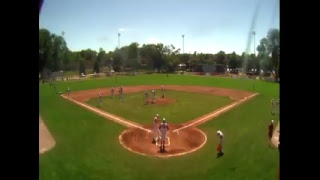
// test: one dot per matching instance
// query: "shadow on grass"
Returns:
(220, 154)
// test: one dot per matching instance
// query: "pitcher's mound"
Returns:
(163, 101)
(177, 143)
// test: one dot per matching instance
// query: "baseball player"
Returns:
(155, 129)
(68, 91)
(162, 90)
(164, 128)
(121, 92)
(146, 97)
(278, 105)
(220, 135)
(100, 100)
(153, 96)
(272, 106)
(112, 92)
(270, 129)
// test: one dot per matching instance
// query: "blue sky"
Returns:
(208, 25)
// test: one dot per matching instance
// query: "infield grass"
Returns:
(87, 146)
(187, 106)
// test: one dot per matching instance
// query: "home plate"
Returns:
(166, 144)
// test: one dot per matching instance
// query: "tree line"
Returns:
(54, 55)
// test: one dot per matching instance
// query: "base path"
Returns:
(182, 138)
(46, 141)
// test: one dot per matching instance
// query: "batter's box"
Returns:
(166, 144)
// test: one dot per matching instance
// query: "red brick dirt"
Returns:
(141, 141)
(184, 138)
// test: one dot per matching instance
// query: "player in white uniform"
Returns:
(164, 128)
(272, 106)
(220, 135)
(155, 129)
(163, 89)
(278, 105)
(68, 91)
(153, 96)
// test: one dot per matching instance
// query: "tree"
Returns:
(45, 48)
(268, 52)
(233, 61)
(52, 51)
(133, 61)
(274, 48)
(221, 58)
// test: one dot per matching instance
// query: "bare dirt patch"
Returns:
(46, 141)
(181, 143)
(184, 138)
(85, 95)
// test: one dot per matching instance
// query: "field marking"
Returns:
(108, 115)
(165, 155)
(214, 113)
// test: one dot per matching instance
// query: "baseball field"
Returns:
(84, 141)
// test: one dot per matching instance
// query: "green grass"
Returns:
(88, 147)
(188, 106)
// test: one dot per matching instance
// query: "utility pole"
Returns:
(183, 44)
(254, 43)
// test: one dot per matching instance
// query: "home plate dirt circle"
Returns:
(178, 143)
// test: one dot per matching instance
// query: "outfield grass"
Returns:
(188, 106)
(88, 148)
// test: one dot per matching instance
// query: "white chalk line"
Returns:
(217, 112)
(165, 155)
(116, 119)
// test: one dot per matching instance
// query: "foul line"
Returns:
(217, 112)
(116, 119)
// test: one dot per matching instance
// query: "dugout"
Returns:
(211, 68)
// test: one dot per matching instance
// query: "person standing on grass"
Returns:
(219, 148)
(112, 92)
(272, 106)
(100, 100)
(146, 97)
(68, 91)
(270, 129)
(153, 96)
(278, 105)
(121, 92)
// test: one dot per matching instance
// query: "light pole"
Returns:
(183, 43)
(119, 40)
(254, 42)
